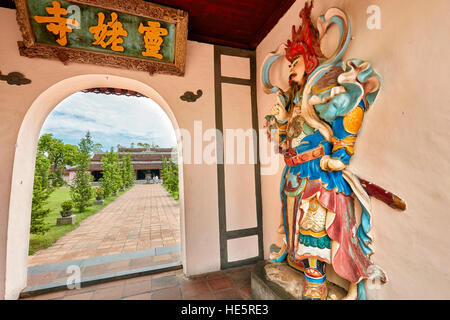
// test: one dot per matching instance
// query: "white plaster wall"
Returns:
(240, 199)
(242, 248)
(201, 236)
(237, 67)
(403, 145)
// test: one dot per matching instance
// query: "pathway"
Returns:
(144, 217)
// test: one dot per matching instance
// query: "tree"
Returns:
(87, 145)
(169, 174)
(106, 180)
(129, 170)
(123, 170)
(59, 154)
(118, 182)
(143, 145)
(146, 145)
(112, 177)
(81, 191)
(41, 193)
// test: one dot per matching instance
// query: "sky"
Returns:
(111, 119)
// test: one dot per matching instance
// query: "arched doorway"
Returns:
(22, 178)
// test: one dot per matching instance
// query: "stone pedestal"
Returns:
(278, 281)
(99, 201)
(66, 220)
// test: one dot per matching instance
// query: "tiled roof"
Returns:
(122, 149)
(132, 149)
(138, 166)
(138, 156)
(141, 158)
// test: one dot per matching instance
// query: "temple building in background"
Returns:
(147, 163)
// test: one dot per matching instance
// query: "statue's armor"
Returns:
(314, 216)
(313, 240)
(310, 194)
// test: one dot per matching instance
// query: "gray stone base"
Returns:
(66, 220)
(278, 281)
(99, 201)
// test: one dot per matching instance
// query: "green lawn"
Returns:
(39, 242)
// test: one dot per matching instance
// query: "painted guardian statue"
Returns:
(318, 119)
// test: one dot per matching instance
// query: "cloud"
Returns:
(111, 120)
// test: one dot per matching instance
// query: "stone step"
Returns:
(278, 281)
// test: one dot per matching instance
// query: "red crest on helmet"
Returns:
(305, 41)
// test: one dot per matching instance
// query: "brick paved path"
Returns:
(144, 217)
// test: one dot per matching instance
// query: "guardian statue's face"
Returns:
(297, 71)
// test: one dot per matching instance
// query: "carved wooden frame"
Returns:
(30, 48)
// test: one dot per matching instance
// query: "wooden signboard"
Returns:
(131, 34)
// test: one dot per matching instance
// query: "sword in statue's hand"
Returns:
(383, 195)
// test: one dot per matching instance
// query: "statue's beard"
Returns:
(295, 86)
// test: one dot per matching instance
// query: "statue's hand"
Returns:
(279, 112)
(329, 164)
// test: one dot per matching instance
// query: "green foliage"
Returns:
(169, 175)
(143, 145)
(54, 153)
(99, 192)
(42, 241)
(41, 193)
(56, 177)
(87, 145)
(117, 173)
(59, 154)
(81, 191)
(67, 205)
(127, 171)
(123, 170)
(112, 175)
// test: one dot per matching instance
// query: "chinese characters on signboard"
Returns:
(113, 30)
(154, 37)
(56, 23)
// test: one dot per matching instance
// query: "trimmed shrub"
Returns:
(67, 205)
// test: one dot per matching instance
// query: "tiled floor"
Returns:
(144, 217)
(231, 284)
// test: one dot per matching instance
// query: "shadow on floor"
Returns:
(230, 284)
(56, 276)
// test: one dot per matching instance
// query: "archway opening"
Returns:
(111, 212)
(152, 178)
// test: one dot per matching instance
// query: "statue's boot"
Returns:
(315, 286)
